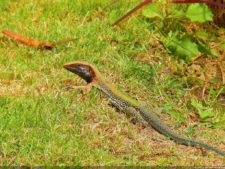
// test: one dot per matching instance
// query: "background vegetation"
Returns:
(44, 122)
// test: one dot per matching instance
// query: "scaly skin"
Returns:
(93, 77)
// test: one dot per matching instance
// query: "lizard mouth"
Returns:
(71, 68)
(81, 69)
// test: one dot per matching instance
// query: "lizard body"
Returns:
(93, 77)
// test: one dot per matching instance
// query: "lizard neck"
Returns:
(119, 99)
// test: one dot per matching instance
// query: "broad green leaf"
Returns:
(184, 48)
(204, 112)
(152, 11)
(178, 13)
(187, 48)
(199, 12)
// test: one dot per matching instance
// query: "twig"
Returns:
(132, 11)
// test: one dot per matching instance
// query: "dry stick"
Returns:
(132, 11)
(85, 17)
(64, 41)
(196, 57)
(22, 39)
(203, 91)
(33, 42)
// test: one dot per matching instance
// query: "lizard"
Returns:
(128, 105)
(33, 42)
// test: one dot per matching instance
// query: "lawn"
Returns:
(43, 121)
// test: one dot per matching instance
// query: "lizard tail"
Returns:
(157, 124)
(196, 143)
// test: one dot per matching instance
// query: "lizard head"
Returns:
(82, 69)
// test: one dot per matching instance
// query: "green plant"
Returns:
(204, 112)
(177, 38)
(172, 24)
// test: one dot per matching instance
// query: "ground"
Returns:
(43, 121)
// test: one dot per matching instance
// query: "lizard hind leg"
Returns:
(135, 117)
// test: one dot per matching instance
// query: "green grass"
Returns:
(42, 122)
